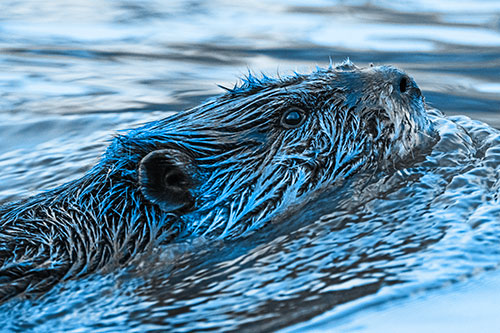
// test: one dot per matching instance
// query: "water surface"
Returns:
(73, 73)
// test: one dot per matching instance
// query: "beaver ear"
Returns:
(165, 179)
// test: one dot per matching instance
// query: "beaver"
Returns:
(220, 170)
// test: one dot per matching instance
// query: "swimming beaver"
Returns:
(220, 169)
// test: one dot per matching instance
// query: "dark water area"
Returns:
(415, 250)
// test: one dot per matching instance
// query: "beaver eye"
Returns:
(292, 118)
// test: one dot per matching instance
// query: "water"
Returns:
(407, 246)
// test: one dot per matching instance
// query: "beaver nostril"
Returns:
(403, 84)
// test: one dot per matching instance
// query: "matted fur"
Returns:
(247, 170)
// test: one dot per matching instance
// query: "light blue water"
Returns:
(414, 242)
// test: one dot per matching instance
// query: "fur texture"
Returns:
(235, 168)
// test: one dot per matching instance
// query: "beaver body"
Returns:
(220, 170)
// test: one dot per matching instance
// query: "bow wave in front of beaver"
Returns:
(219, 170)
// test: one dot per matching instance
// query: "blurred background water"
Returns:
(72, 73)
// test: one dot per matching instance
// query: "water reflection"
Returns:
(72, 73)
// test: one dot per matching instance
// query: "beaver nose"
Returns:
(405, 85)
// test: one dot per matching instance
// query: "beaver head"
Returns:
(242, 159)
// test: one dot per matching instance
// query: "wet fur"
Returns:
(245, 171)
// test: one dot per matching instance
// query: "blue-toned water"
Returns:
(416, 250)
